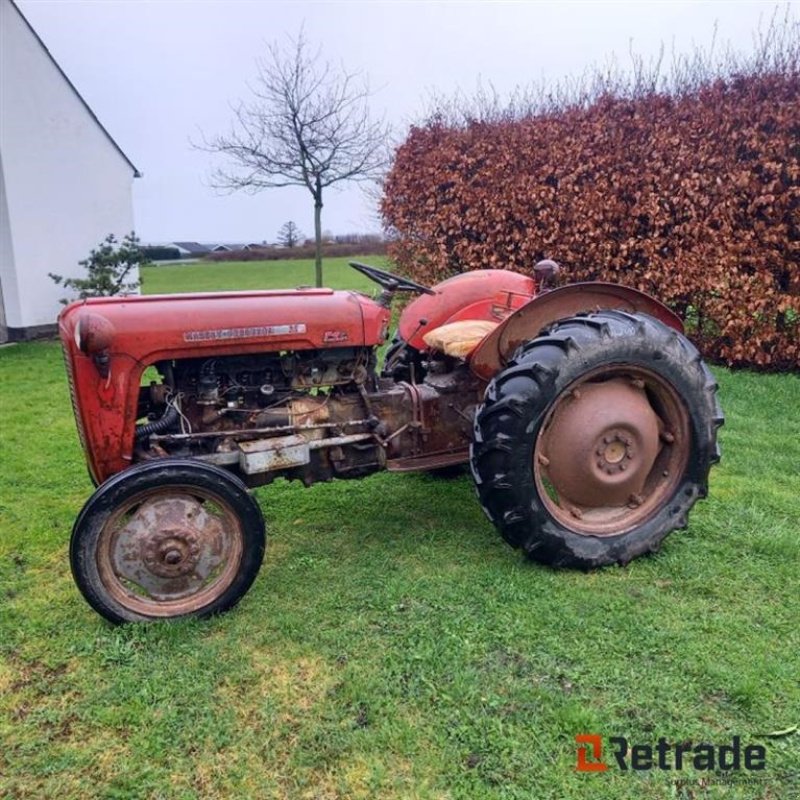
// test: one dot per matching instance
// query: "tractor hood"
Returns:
(153, 327)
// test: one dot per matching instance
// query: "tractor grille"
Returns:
(73, 398)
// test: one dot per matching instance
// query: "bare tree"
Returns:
(305, 124)
(289, 234)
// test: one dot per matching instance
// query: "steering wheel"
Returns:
(390, 281)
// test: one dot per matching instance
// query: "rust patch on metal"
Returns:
(422, 463)
(169, 551)
(493, 352)
(602, 445)
(601, 461)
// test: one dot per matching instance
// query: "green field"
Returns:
(209, 277)
(393, 646)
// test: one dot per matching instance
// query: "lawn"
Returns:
(393, 646)
(209, 277)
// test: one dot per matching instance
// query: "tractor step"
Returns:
(423, 463)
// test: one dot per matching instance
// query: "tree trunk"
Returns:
(318, 233)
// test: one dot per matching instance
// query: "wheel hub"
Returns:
(171, 547)
(601, 444)
(612, 453)
(171, 552)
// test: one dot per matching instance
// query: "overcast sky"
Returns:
(158, 71)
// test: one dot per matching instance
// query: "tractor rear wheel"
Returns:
(596, 440)
(167, 539)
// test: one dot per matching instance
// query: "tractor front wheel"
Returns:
(596, 440)
(167, 539)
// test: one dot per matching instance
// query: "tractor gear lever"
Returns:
(398, 354)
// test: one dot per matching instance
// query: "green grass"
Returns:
(226, 275)
(393, 646)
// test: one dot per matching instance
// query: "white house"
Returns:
(64, 182)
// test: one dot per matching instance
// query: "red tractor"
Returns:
(588, 420)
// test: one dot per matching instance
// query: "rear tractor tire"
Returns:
(596, 440)
(167, 539)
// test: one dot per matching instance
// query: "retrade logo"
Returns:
(663, 755)
(590, 761)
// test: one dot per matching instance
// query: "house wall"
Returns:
(66, 185)
(8, 279)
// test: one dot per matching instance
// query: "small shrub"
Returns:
(107, 269)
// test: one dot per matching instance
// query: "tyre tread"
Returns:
(523, 391)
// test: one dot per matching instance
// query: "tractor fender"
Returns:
(494, 351)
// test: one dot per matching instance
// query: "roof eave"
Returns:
(136, 172)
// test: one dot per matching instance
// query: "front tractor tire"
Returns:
(596, 440)
(167, 539)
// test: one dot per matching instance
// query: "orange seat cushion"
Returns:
(459, 339)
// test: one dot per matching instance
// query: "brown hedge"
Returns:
(694, 199)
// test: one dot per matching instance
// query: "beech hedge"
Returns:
(693, 198)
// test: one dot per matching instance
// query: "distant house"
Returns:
(65, 184)
(198, 250)
(191, 249)
(228, 247)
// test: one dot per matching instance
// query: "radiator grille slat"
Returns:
(73, 398)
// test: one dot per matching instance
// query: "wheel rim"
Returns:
(612, 450)
(170, 551)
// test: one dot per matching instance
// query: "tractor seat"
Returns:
(459, 339)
